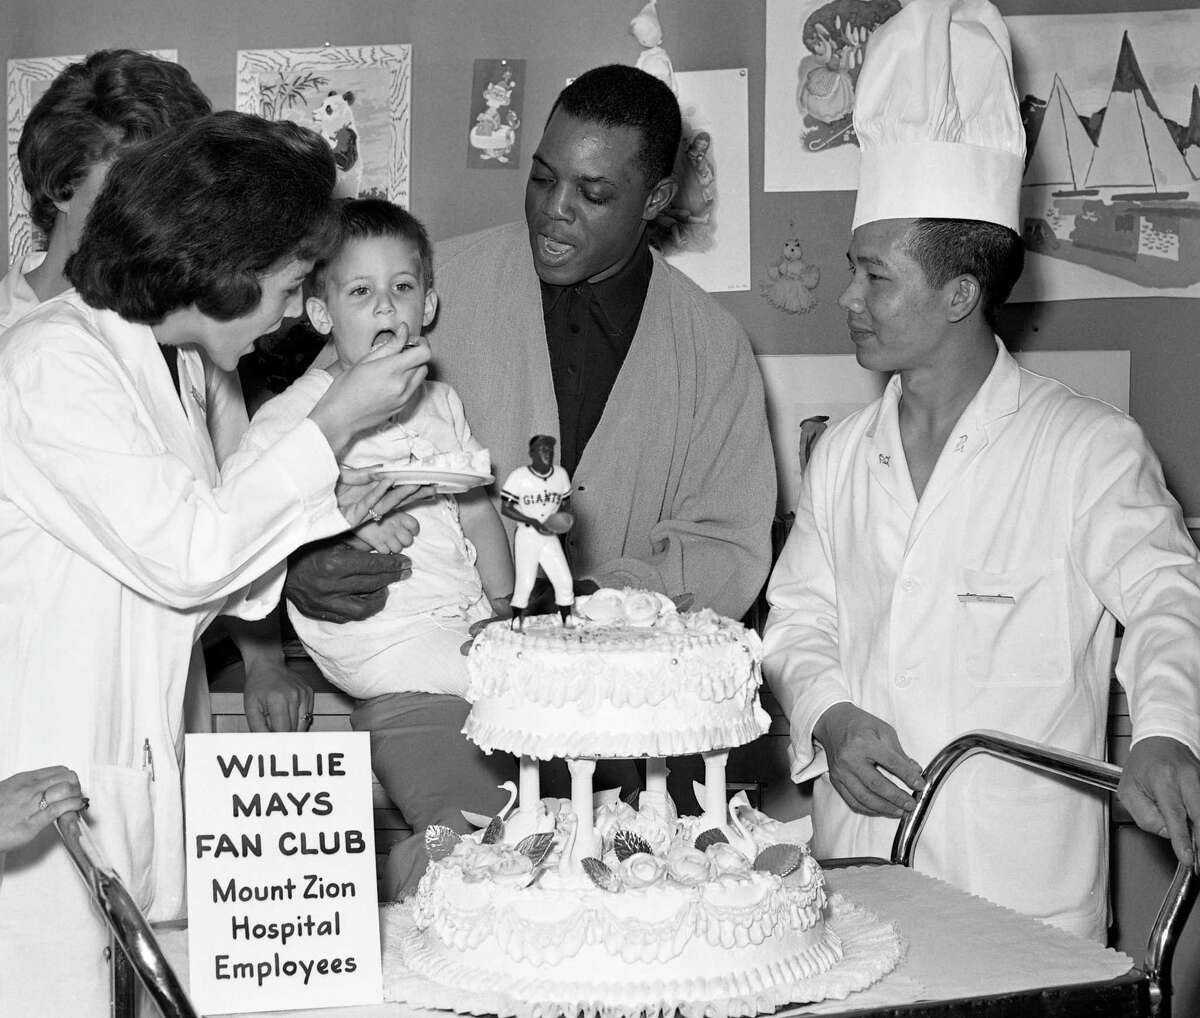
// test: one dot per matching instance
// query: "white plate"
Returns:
(448, 481)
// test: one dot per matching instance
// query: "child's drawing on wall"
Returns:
(835, 36)
(814, 53)
(696, 199)
(333, 119)
(356, 97)
(494, 135)
(1110, 198)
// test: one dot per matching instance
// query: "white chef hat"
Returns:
(937, 117)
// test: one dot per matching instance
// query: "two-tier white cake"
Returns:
(567, 909)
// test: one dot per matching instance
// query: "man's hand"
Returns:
(860, 748)
(330, 581)
(1160, 786)
(276, 699)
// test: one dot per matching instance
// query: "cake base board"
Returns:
(871, 949)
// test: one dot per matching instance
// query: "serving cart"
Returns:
(157, 957)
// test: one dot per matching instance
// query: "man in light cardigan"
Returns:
(571, 325)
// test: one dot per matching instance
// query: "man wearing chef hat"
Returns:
(964, 546)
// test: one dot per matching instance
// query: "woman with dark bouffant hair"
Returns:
(93, 110)
(118, 540)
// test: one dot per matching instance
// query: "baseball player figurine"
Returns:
(533, 496)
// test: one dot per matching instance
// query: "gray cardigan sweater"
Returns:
(676, 488)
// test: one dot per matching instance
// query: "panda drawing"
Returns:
(334, 119)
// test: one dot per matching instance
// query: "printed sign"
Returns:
(282, 903)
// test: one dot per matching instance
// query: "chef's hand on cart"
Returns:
(862, 751)
(1160, 786)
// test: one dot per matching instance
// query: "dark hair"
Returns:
(993, 254)
(360, 218)
(197, 215)
(539, 440)
(618, 95)
(111, 99)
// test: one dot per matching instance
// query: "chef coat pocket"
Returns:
(121, 819)
(1011, 626)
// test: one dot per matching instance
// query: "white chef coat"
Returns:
(117, 548)
(1051, 506)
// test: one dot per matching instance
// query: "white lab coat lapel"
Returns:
(884, 452)
(183, 422)
(996, 400)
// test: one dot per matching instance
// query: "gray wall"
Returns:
(560, 38)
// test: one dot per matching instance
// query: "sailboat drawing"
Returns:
(1118, 189)
(1064, 150)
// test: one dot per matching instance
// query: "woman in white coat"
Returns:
(118, 541)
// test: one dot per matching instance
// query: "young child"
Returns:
(403, 665)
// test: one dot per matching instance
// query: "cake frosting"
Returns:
(566, 906)
(632, 677)
(370, 452)
(646, 927)
(462, 461)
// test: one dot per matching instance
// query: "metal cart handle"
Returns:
(1181, 894)
(126, 924)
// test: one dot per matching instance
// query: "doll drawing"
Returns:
(836, 36)
(693, 207)
(791, 280)
(495, 131)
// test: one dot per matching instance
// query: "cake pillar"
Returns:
(581, 802)
(656, 778)
(715, 808)
(529, 795)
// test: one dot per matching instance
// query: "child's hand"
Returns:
(388, 535)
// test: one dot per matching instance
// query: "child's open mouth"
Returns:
(387, 335)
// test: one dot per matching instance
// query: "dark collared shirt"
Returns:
(589, 328)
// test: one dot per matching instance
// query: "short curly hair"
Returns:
(92, 108)
(617, 95)
(197, 215)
